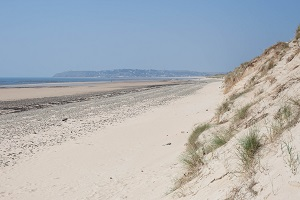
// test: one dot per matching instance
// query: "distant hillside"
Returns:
(131, 73)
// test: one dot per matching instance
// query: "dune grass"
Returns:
(221, 139)
(291, 158)
(298, 33)
(285, 118)
(243, 112)
(221, 109)
(196, 132)
(249, 146)
(192, 158)
(224, 107)
(236, 95)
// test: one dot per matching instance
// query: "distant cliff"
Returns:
(131, 73)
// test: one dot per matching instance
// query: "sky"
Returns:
(39, 38)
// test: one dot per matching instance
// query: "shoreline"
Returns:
(23, 99)
(93, 81)
(19, 93)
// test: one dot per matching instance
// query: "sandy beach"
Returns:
(18, 99)
(149, 100)
(123, 146)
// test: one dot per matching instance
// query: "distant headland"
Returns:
(132, 73)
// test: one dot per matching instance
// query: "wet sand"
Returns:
(22, 99)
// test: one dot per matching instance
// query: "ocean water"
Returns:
(12, 81)
(54, 81)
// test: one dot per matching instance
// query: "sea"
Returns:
(55, 81)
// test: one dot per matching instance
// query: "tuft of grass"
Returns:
(275, 130)
(234, 96)
(219, 140)
(195, 134)
(243, 112)
(223, 108)
(298, 33)
(249, 146)
(285, 113)
(295, 116)
(264, 70)
(192, 158)
(292, 158)
(286, 117)
(223, 138)
(251, 82)
(235, 76)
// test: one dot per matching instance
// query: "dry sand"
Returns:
(121, 147)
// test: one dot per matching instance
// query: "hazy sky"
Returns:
(43, 37)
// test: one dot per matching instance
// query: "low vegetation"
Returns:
(275, 130)
(264, 70)
(235, 76)
(192, 141)
(192, 158)
(236, 95)
(219, 140)
(243, 112)
(291, 57)
(298, 33)
(249, 146)
(286, 117)
(223, 108)
(222, 138)
(291, 157)
(251, 82)
(226, 105)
